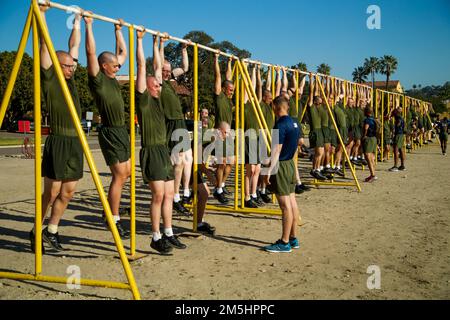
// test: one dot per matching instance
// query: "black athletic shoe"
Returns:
(339, 172)
(33, 244)
(162, 246)
(220, 197)
(304, 187)
(356, 162)
(225, 191)
(174, 242)
(124, 234)
(179, 208)
(319, 176)
(327, 171)
(258, 201)
(298, 189)
(52, 240)
(408, 146)
(206, 228)
(363, 162)
(250, 204)
(186, 200)
(266, 198)
(401, 168)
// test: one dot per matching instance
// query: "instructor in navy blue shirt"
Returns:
(282, 179)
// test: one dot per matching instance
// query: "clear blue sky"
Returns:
(417, 32)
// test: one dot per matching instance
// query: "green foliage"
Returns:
(300, 66)
(324, 69)
(388, 66)
(437, 95)
(359, 75)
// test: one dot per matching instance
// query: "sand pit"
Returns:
(400, 223)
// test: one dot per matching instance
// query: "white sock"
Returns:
(168, 232)
(187, 193)
(299, 183)
(176, 197)
(254, 195)
(116, 218)
(156, 236)
(263, 190)
(351, 158)
(219, 190)
(321, 168)
(339, 167)
(328, 166)
(222, 185)
(52, 228)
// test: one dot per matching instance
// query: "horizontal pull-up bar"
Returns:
(153, 32)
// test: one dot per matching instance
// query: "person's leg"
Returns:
(402, 156)
(51, 192)
(120, 174)
(327, 155)
(295, 216)
(187, 171)
(157, 189)
(219, 174)
(62, 201)
(178, 166)
(287, 217)
(167, 204)
(369, 163)
(255, 177)
(248, 176)
(228, 168)
(395, 150)
(203, 194)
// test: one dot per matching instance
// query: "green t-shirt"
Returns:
(387, 128)
(61, 122)
(324, 117)
(224, 110)
(420, 120)
(171, 102)
(108, 98)
(293, 109)
(314, 117)
(340, 116)
(151, 119)
(350, 117)
(268, 115)
(361, 117)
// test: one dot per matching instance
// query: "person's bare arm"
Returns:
(285, 81)
(92, 62)
(311, 89)
(258, 82)
(141, 81)
(301, 86)
(218, 76)
(185, 67)
(269, 79)
(292, 90)
(157, 66)
(46, 61)
(229, 73)
(278, 84)
(121, 47)
(75, 38)
(162, 41)
(275, 156)
(244, 65)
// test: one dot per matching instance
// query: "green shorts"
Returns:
(326, 135)
(155, 164)
(344, 135)
(333, 138)
(357, 133)
(316, 139)
(399, 140)
(115, 144)
(252, 152)
(370, 144)
(171, 126)
(283, 182)
(226, 146)
(387, 141)
(62, 158)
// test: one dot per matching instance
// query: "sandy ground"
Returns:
(400, 223)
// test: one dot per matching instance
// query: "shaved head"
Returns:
(106, 57)
(64, 56)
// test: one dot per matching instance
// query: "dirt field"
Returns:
(400, 223)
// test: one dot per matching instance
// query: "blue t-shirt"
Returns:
(372, 130)
(399, 125)
(288, 134)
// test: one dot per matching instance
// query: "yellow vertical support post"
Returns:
(15, 70)
(133, 145)
(37, 151)
(404, 120)
(376, 116)
(238, 137)
(241, 83)
(197, 126)
(382, 125)
(87, 152)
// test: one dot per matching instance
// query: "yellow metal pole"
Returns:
(197, 128)
(37, 151)
(338, 134)
(376, 117)
(87, 152)
(382, 125)
(16, 67)
(237, 139)
(133, 144)
(242, 139)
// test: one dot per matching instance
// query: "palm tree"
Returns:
(300, 66)
(324, 69)
(388, 66)
(360, 75)
(372, 66)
